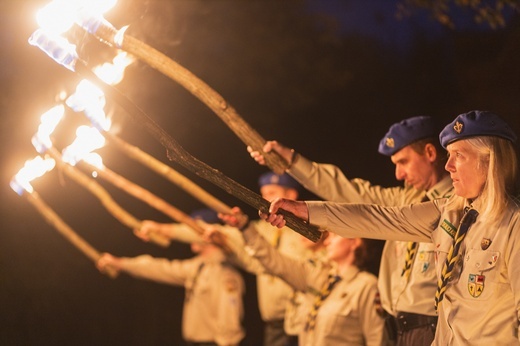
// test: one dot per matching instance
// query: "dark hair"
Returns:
(368, 255)
(361, 255)
(442, 157)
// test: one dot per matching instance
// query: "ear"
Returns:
(357, 242)
(430, 152)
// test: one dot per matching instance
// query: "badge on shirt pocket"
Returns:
(481, 272)
(476, 284)
(424, 259)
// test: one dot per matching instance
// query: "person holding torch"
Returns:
(274, 295)
(406, 278)
(476, 232)
(213, 303)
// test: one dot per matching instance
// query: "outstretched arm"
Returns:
(414, 222)
(174, 231)
(298, 208)
(286, 153)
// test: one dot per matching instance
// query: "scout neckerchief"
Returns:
(189, 292)
(411, 251)
(469, 217)
(324, 293)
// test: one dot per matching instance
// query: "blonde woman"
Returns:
(476, 232)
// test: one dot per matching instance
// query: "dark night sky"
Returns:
(326, 78)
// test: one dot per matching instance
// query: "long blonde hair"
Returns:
(497, 156)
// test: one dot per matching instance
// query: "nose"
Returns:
(449, 166)
(399, 173)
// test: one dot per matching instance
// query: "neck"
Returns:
(345, 262)
(435, 178)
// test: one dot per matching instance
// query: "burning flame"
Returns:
(112, 73)
(89, 99)
(59, 15)
(95, 160)
(56, 47)
(87, 140)
(31, 170)
(48, 122)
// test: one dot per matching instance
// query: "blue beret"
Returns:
(284, 180)
(405, 133)
(476, 123)
(207, 215)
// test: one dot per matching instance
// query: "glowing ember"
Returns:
(31, 170)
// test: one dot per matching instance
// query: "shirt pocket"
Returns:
(424, 264)
(479, 274)
(339, 319)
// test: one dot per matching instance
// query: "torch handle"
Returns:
(177, 153)
(108, 202)
(65, 230)
(152, 200)
(146, 196)
(199, 89)
(169, 173)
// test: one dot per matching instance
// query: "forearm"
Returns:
(154, 269)
(330, 183)
(409, 223)
(180, 232)
(290, 270)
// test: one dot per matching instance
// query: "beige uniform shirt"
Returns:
(298, 306)
(213, 308)
(482, 300)
(347, 316)
(398, 293)
(273, 293)
(239, 257)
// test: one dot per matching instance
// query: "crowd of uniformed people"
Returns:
(448, 274)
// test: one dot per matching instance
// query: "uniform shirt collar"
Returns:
(347, 273)
(442, 189)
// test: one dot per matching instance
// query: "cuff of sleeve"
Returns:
(250, 234)
(300, 168)
(317, 214)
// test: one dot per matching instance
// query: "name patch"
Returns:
(448, 228)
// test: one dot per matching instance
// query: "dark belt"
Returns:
(407, 321)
